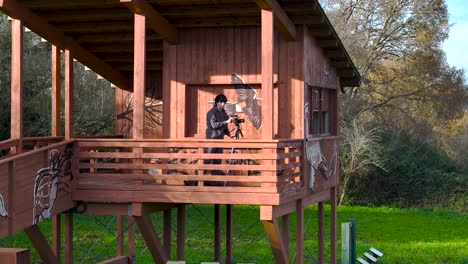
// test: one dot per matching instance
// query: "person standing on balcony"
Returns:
(217, 121)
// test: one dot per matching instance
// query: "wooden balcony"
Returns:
(175, 171)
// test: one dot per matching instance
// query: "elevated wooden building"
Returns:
(279, 62)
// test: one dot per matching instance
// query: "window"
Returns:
(322, 102)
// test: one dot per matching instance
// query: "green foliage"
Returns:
(418, 174)
(403, 235)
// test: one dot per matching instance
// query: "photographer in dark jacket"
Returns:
(216, 128)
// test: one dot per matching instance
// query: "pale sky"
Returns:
(456, 46)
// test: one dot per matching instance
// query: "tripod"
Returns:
(233, 150)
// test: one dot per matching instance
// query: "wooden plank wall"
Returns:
(153, 109)
(205, 59)
(25, 170)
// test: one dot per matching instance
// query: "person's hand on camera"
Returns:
(229, 120)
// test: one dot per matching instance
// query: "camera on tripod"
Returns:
(236, 121)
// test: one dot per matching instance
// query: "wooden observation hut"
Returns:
(279, 62)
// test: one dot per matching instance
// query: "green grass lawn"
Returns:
(403, 235)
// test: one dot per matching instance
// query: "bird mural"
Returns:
(3, 211)
(247, 101)
(50, 181)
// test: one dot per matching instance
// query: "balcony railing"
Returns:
(182, 166)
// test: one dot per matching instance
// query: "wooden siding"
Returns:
(20, 174)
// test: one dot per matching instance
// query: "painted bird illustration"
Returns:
(3, 212)
(247, 101)
(50, 181)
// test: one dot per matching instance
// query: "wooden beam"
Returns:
(229, 233)
(181, 231)
(267, 74)
(282, 21)
(87, 15)
(125, 37)
(68, 238)
(139, 77)
(55, 91)
(131, 238)
(276, 243)
(217, 232)
(40, 26)
(155, 20)
(56, 235)
(333, 218)
(285, 232)
(299, 232)
(16, 118)
(151, 238)
(119, 48)
(321, 238)
(116, 260)
(40, 244)
(120, 236)
(68, 94)
(167, 215)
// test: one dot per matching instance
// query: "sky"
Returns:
(456, 46)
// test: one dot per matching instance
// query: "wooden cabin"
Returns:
(279, 62)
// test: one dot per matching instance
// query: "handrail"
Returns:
(32, 152)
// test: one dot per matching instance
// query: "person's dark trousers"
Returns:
(213, 161)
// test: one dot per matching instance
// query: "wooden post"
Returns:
(68, 238)
(333, 225)
(151, 238)
(139, 75)
(285, 232)
(276, 243)
(68, 94)
(299, 232)
(180, 231)
(120, 236)
(16, 120)
(55, 91)
(56, 236)
(217, 232)
(321, 238)
(267, 74)
(40, 244)
(167, 231)
(229, 225)
(131, 239)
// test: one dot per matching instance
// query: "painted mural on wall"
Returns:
(247, 101)
(153, 115)
(50, 181)
(3, 211)
(315, 157)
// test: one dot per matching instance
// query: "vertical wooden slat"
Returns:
(139, 73)
(56, 236)
(68, 238)
(180, 231)
(11, 196)
(169, 88)
(229, 237)
(131, 239)
(68, 94)
(16, 129)
(285, 232)
(267, 74)
(55, 92)
(167, 231)
(120, 236)
(321, 237)
(217, 232)
(333, 225)
(300, 232)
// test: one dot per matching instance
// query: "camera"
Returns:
(236, 120)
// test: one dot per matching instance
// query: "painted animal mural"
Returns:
(315, 157)
(50, 181)
(3, 211)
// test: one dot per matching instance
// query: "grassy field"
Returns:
(403, 235)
